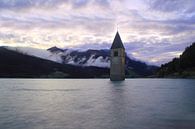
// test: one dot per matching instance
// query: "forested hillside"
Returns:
(184, 66)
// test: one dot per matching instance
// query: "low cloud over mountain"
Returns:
(87, 58)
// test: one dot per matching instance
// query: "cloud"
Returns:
(152, 30)
(187, 6)
(22, 4)
(25, 4)
(79, 3)
(105, 3)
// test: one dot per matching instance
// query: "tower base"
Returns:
(117, 78)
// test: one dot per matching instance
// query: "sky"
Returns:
(154, 31)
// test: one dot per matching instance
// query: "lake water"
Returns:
(97, 104)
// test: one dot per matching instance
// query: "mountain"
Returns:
(89, 63)
(98, 58)
(184, 66)
(19, 65)
(101, 58)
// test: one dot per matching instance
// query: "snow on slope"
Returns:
(67, 56)
(92, 61)
(99, 62)
(41, 53)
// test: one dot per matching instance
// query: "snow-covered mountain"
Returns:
(97, 58)
(15, 64)
(100, 58)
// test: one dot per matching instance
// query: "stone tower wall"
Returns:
(117, 68)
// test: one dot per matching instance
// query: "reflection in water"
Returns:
(118, 106)
(97, 104)
(117, 83)
(46, 90)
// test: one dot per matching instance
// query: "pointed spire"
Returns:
(117, 43)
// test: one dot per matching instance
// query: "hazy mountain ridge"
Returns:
(41, 53)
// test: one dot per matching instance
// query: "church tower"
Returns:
(117, 65)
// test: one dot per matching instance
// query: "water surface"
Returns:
(97, 104)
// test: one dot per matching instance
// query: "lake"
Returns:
(97, 104)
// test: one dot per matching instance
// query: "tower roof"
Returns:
(117, 43)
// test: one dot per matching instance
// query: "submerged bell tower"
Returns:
(117, 58)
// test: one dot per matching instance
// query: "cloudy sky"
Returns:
(154, 31)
